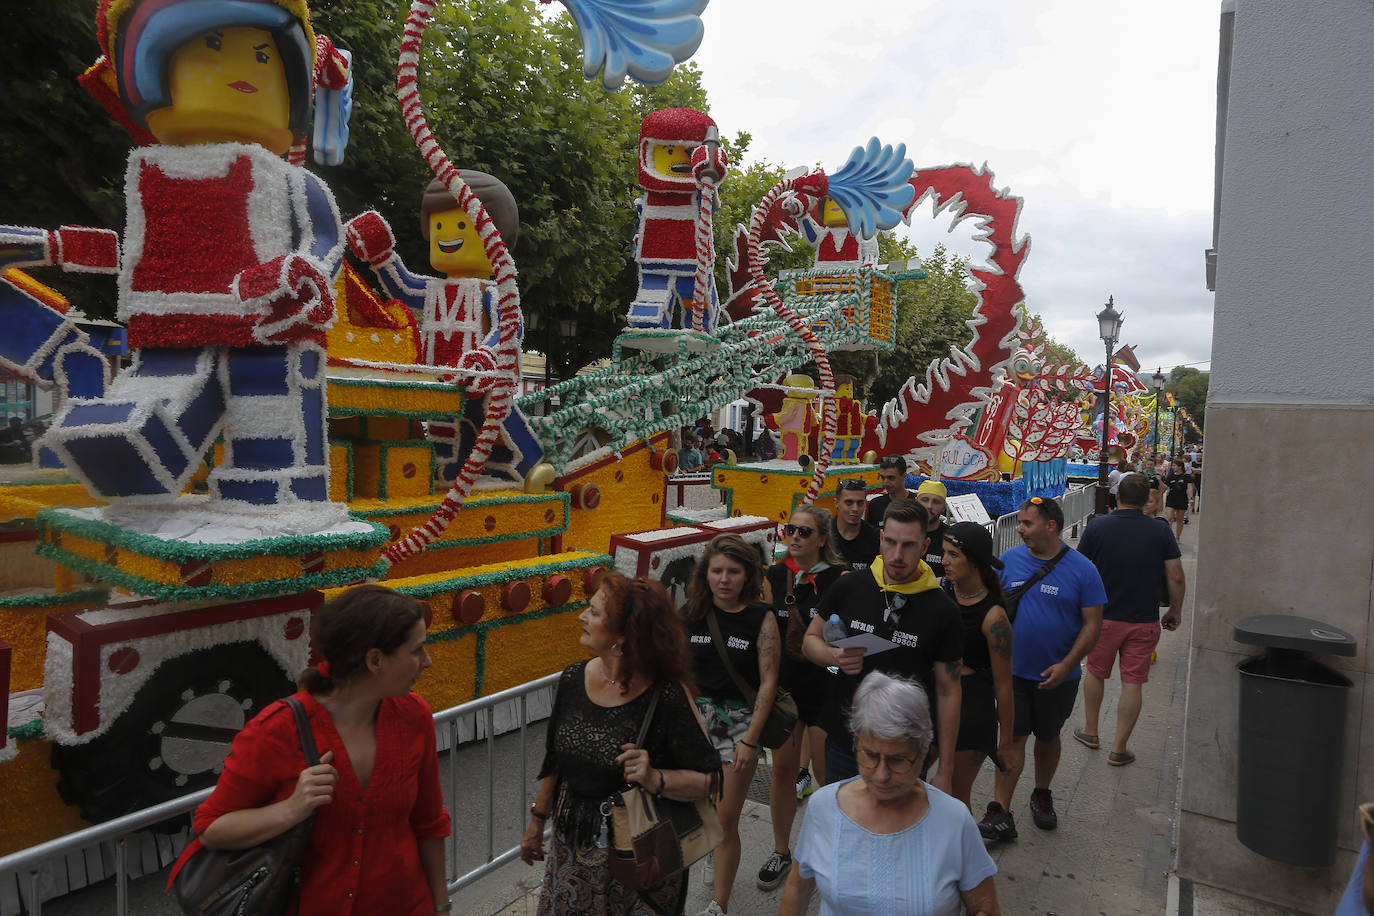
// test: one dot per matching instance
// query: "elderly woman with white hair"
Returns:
(887, 842)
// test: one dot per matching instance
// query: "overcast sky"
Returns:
(1100, 116)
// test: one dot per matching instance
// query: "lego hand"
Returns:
(370, 238)
(816, 185)
(478, 359)
(709, 160)
(292, 295)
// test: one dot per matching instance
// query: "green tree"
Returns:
(1056, 350)
(1189, 386)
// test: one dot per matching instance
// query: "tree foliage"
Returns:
(1189, 386)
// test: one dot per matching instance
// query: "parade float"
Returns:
(284, 431)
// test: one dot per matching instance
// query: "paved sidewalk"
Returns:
(1111, 855)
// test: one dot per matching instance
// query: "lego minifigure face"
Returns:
(844, 390)
(672, 160)
(832, 215)
(455, 248)
(227, 85)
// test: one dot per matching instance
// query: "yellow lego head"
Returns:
(227, 85)
(672, 160)
(844, 389)
(454, 245)
(832, 215)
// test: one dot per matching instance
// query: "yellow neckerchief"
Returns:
(923, 582)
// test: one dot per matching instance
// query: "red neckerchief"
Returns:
(791, 564)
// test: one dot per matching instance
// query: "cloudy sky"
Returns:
(1100, 116)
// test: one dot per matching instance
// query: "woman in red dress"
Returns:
(377, 845)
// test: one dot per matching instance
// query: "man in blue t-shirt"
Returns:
(1057, 620)
(1140, 566)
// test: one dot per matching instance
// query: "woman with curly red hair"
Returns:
(640, 651)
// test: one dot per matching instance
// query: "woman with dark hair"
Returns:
(727, 590)
(987, 712)
(640, 651)
(795, 587)
(377, 845)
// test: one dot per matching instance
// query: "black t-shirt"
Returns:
(1129, 549)
(1177, 484)
(926, 628)
(859, 552)
(741, 633)
(877, 506)
(935, 551)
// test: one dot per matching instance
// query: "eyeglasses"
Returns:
(804, 530)
(897, 764)
(853, 483)
(893, 461)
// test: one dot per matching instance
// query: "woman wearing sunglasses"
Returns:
(795, 587)
(985, 716)
(887, 842)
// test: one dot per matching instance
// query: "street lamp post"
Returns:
(1109, 322)
(1157, 383)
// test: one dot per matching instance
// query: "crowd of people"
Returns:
(913, 654)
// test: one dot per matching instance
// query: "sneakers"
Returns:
(997, 824)
(1086, 739)
(805, 784)
(1042, 809)
(712, 909)
(708, 870)
(774, 870)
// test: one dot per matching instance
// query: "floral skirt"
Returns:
(578, 881)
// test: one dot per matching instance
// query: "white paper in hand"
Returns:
(870, 643)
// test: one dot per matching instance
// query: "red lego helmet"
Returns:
(685, 126)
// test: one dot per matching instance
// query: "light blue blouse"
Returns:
(918, 871)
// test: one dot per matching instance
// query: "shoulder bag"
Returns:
(782, 718)
(1014, 596)
(654, 838)
(262, 879)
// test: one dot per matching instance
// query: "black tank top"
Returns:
(976, 653)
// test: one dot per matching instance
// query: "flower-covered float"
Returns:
(283, 430)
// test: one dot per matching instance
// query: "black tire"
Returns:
(173, 738)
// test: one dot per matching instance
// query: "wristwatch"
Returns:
(444, 907)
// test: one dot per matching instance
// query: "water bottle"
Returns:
(834, 630)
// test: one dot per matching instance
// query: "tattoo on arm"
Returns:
(953, 668)
(768, 645)
(1000, 638)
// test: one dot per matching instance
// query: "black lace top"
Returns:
(584, 739)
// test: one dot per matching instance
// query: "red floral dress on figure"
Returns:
(363, 856)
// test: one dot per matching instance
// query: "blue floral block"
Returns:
(1046, 478)
(151, 432)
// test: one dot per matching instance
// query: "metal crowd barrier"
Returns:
(1077, 504)
(121, 829)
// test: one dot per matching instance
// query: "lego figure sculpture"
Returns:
(458, 324)
(229, 256)
(680, 163)
(826, 228)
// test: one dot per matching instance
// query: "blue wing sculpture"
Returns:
(640, 38)
(873, 187)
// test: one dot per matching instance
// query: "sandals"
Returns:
(1086, 739)
(1121, 759)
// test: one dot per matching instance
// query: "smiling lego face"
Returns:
(832, 215)
(672, 160)
(227, 85)
(454, 245)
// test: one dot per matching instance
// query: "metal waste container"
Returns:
(1292, 739)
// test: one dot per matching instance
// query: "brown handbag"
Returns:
(262, 879)
(653, 838)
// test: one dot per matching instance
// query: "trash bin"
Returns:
(1292, 739)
